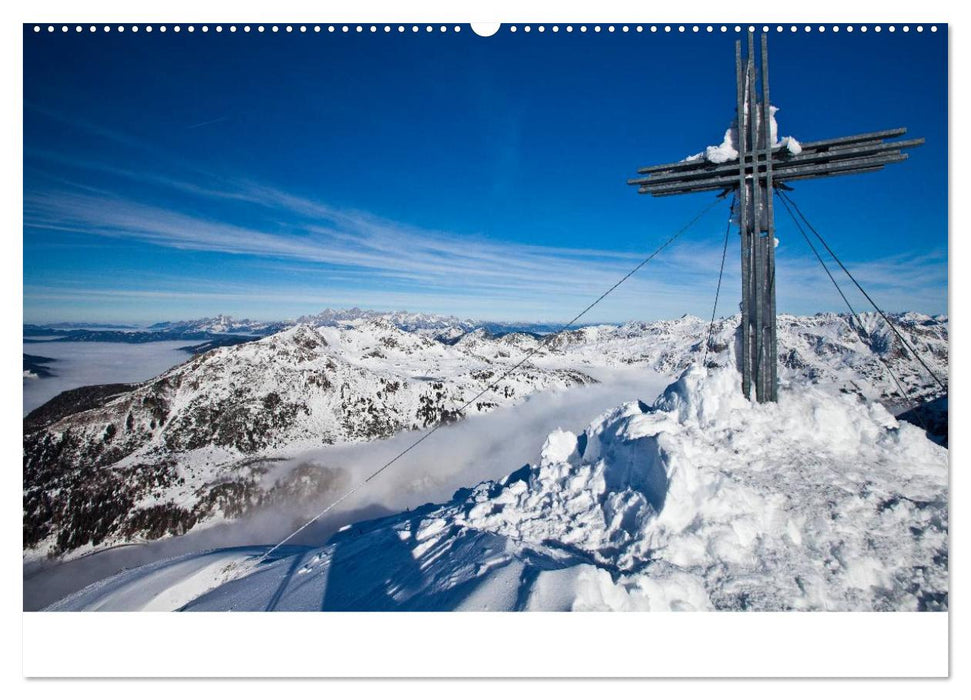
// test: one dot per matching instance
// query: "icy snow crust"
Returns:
(701, 501)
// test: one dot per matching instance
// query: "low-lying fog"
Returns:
(480, 448)
(83, 364)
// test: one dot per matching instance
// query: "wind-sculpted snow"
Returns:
(701, 501)
(201, 442)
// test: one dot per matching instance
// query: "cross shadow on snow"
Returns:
(379, 566)
(420, 560)
(284, 583)
(373, 569)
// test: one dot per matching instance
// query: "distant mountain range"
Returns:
(245, 329)
(221, 324)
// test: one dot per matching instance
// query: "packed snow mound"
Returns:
(728, 149)
(700, 501)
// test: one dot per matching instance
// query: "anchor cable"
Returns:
(545, 341)
(721, 271)
(890, 323)
(860, 329)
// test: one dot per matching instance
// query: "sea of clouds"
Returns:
(84, 364)
(460, 455)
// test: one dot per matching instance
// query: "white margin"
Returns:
(801, 644)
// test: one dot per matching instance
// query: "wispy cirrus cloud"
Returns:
(361, 258)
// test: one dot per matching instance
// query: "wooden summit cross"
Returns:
(762, 164)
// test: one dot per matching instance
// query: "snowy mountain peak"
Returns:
(402, 319)
(701, 501)
(647, 483)
(109, 465)
(220, 324)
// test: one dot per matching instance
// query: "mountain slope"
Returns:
(195, 443)
(198, 444)
(826, 349)
(701, 501)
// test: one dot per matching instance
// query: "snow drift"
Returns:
(701, 501)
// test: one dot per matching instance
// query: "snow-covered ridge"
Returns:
(407, 321)
(445, 325)
(221, 325)
(404, 320)
(194, 444)
(701, 501)
(197, 444)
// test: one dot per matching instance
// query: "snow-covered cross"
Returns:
(751, 162)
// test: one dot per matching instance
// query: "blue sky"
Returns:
(171, 176)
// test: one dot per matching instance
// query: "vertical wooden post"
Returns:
(758, 361)
(771, 347)
(741, 128)
(758, 278)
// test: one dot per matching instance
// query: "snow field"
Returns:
(700, 501)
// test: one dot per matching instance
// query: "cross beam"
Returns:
(760, 165)
(819, 159)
